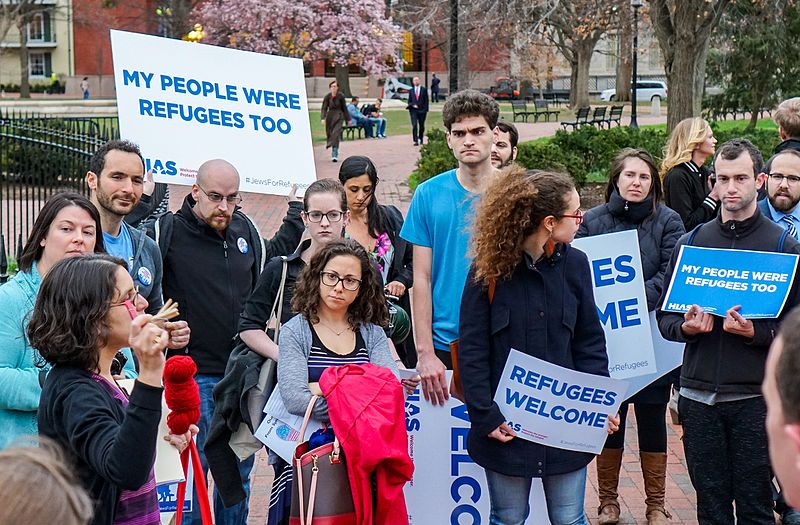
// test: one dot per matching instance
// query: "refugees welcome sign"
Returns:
(618, 287)
(556, 406)
(185, 103)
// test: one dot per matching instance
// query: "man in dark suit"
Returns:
(418, 109)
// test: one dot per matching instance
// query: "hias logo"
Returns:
(160, 167)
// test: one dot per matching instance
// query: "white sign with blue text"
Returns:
(185, 103)
(717, 280)
(447, 486)
(556, 406)
(618, 286)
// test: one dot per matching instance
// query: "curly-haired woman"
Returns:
(687, 189)
(633, 202)
(339, 297)
(542, 306)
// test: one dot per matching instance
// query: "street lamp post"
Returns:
(425, 31)
(635, 4)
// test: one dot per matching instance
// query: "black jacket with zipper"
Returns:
(719, 361)
(212, 275)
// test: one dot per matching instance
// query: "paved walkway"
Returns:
(395, 159)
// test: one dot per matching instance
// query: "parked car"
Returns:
(397, 88)
(646, 90)
(504, 89)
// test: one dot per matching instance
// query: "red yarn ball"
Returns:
(181, 393)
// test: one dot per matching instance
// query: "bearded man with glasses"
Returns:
(783, 191)
(213, 255)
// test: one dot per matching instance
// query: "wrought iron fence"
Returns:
(41, 155)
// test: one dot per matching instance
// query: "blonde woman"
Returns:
(687, 187)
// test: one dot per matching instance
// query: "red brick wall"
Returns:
(91, 23)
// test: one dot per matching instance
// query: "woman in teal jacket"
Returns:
(67, 226)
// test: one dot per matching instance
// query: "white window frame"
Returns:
(37, 21)
(31, 57)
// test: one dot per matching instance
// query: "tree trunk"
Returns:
(583, 57)
(343, 79)
(573, 82)
(685, 80)
(24, 83)
(463, 49)
(625, 59)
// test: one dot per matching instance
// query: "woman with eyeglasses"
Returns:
(325, 216)
(529, 290)
(633, 202)
(87, 309)
(688, 186)
(341, 314)
(377, 227)
(67, 226)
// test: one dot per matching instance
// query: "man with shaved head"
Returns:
(213, 255)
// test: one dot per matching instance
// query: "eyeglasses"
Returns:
(129, 303)
(778, 179)
(216, 198)
(578, 216)
(331, 279)
(332, 216)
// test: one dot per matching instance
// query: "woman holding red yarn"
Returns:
(86, 310)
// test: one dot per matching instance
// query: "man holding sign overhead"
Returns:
(721, 406)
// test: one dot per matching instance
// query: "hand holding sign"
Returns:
(696, 322)
(434, 384)
(613, 423)
(735, 324)
(503, 433)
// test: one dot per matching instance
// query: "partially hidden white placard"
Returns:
(185, 103)
(618, 286)
(556, 406)
(447, 486)
(280, 429)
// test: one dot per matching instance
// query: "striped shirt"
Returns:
(321, 357)
(140, 506)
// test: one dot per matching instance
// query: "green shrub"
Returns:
(584, 153)
(435, 157)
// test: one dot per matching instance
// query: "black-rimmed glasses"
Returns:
(331, 279)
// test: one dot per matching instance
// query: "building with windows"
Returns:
(47, 35)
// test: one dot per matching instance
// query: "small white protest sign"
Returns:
(556, 406)
(185, 103)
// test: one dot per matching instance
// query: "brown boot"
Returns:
(608, 465)
(654, 471)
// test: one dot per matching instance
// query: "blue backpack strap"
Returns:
(692, 234)
(782, 240)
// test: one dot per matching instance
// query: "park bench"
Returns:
(543, 110)
(352, 132)
(599, 116)
(520, 109)
(614, 116)
(581, 119)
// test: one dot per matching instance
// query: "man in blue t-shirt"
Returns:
(438, 225)
(116, 181)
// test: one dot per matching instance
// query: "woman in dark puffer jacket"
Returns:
(633, 201)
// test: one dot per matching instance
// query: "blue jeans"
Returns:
(380, 126)
(564, 494)
(236, 515)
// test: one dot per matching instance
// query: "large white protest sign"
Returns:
(556, 406)
(186, 103)
(447, 486)
(618, 286)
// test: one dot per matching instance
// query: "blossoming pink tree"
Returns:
(346, 31)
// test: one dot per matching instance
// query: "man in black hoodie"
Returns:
(721, 405)
(213, 255)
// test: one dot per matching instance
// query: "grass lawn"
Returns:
(398, 121)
